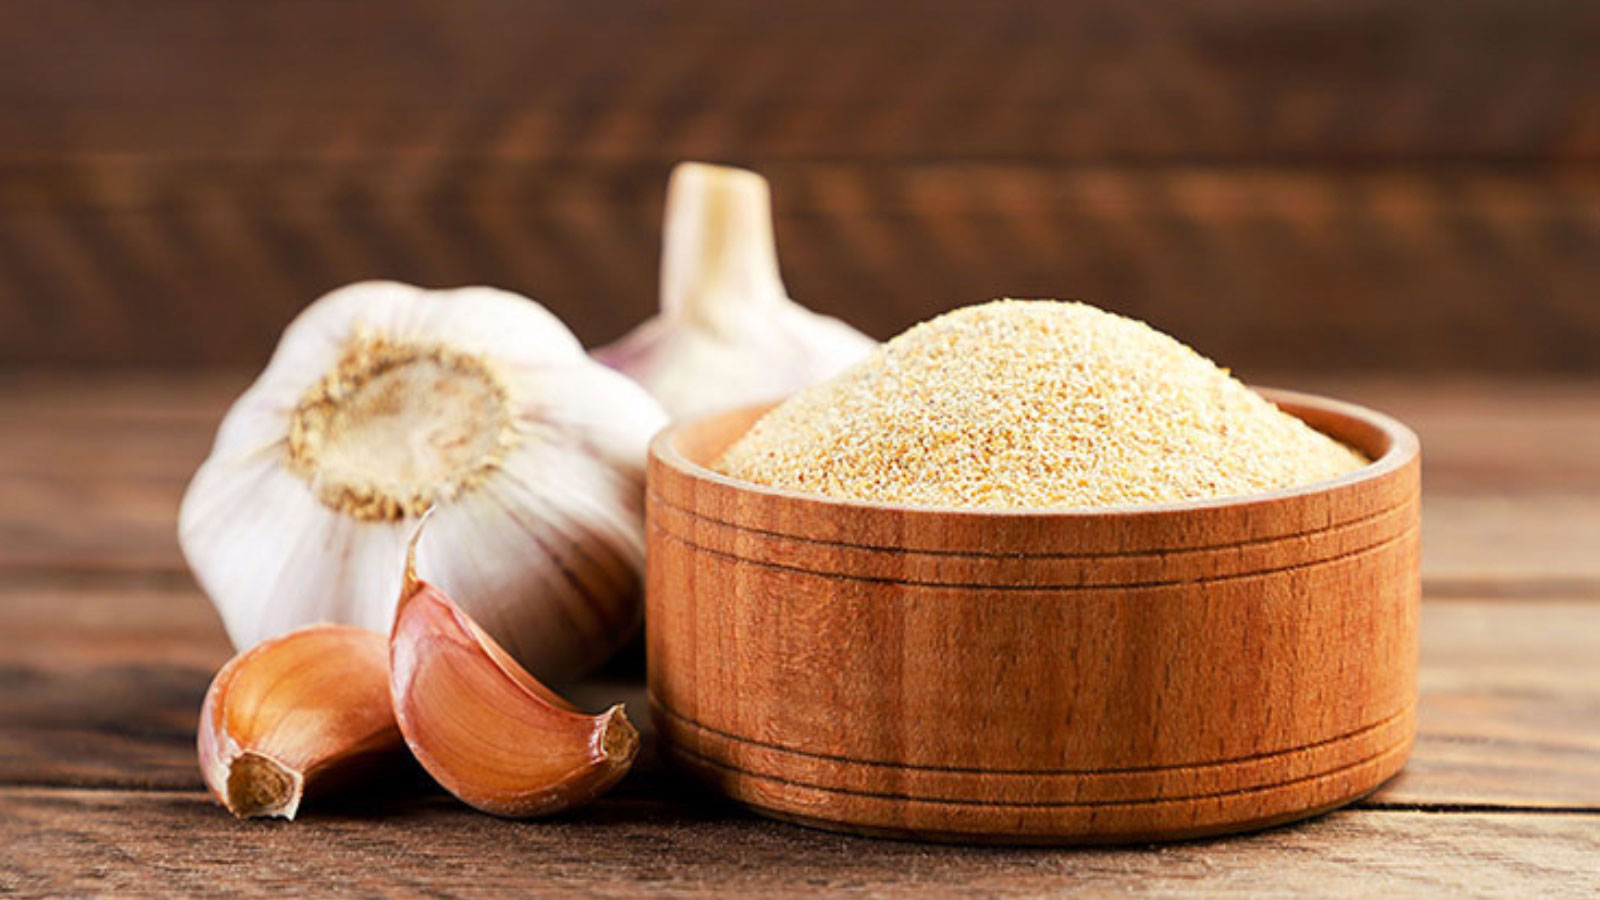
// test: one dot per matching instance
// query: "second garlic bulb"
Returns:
(727, 334)
(384, 400)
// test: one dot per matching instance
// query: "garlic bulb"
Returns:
(727, 334)
(384, 400)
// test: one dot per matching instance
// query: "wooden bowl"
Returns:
(1089, 675)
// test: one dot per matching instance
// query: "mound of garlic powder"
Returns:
(1033, 404)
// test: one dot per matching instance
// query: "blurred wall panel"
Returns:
(1337, 184)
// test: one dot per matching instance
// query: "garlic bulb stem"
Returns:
(719, 257)
(727, 333)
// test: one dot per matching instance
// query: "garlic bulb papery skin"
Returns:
(384, 400)
(727, 334)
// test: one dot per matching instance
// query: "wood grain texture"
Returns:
(1457, 267)
(62, 842)
(1496, 728)
(1343, 185)
(412, 80)
(1084, 675)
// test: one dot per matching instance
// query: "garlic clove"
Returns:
(383, 399)
(296, 714)
(483, 727)
(727, 334)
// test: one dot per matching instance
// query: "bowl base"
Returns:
(835, 796)
(1004, 840)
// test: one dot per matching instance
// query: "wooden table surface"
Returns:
(106, 647)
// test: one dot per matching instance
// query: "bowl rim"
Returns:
(1403, 448)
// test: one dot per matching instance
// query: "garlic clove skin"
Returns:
(384, 399)
(294, 715)
(727, 334)
(484, 728)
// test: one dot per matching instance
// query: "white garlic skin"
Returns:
(545, 551)
(727, 335)
(693, 372)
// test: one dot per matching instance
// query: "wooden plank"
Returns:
(1510, 707)
(1511, 479)
(100, 686)
(92, 468)
(104, 686)
(1461, 267)
(367, 79)
(1485, 436)
(57, 842)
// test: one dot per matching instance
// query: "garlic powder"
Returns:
(1033, 404)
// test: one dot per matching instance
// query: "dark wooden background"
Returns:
(1330, 184)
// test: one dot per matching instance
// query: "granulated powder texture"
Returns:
(1033, 404)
